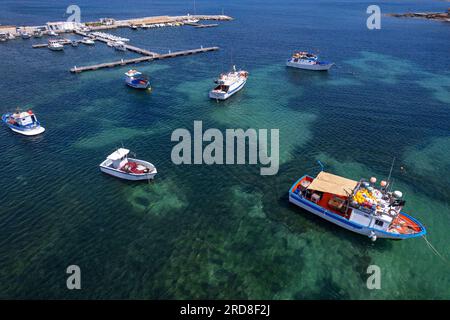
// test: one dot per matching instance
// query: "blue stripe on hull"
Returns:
(353, 225)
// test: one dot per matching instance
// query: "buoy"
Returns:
(383, 183)
(373, 180)
(373, 236)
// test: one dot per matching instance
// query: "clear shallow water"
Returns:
(224, 231)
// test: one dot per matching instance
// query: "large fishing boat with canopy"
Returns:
(308, 61)
(358, 206)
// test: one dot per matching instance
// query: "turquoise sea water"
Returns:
(224, 231)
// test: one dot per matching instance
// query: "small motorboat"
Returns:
(24, 123)
(11, 36)
(137, 80)
(358, 206)
(228, 84)
(134, 27)
(308, 61)
(55, 45)
(119, 165)
(3, 37)
(119, 46)
(25, 35)
(52, 33)
(88, 41)
(38, 34)
(74, 43)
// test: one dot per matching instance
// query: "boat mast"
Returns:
(390, 174)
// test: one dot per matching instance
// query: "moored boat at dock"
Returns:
(88, 41)
(25, 35)
(24, 123)
(119, 46)
(228, 84)
(119, 165)
(55, 45)
(357, 206)
(137, 80)
(308, 61)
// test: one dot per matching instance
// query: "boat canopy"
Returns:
(330, 183)
(118, 154)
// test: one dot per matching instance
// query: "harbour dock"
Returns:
(147, 58)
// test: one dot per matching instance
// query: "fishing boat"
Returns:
(119, 46)
(308, 61)
(88, 41)
(24, 123)
(119, 165)
(37, 34)
(55, 45)
(25, 35)
(358, 206)
(137, 80)
(228, 84)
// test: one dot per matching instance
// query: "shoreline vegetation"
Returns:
(439, 16)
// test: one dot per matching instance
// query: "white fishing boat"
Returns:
(358, 206)
(55, 45)
(88, 41)
(228, 84)
(119, 46)
(119, 165)
(25, 35)
(308, 61)
(24, 123)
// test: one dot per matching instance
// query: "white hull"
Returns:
(56, 48)
(129, 176)
(31, 132)
(314, 67)
(233, 89)
(334, 218)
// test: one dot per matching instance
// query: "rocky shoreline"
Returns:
(439, 16)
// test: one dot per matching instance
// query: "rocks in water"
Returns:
(441, 16)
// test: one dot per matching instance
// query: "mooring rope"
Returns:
(434, 250)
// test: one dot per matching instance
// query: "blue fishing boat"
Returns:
(137, 80)
(358, 206)
(24, 123)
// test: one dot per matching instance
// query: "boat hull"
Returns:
(225, 95)
(312, 67)
(313, 208)
(129, 176)
(24, 131)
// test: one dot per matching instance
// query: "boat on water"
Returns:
(119, 165)
(55, 45)
(3, 37)
(88, 41)
(137, 80)
(134, 27)
(38, 34)
(308, 61)
(358, 206)
(24, 123)
(119, 46)
(74, 43)
(52, 33)
(228, 84)
(25, 35)
(11, 36)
